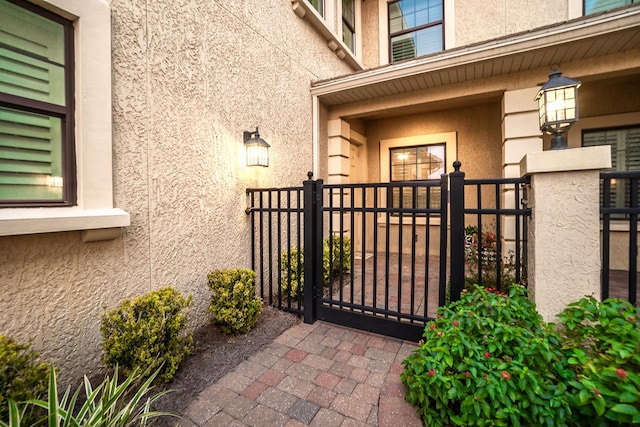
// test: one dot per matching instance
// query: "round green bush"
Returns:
(147, 332)
(489, 359)
(22, 375)
(234, 304)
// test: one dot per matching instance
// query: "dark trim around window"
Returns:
(65, 113)
(390, 35)
(350, 23)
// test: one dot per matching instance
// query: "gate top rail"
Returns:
(272, 189)
(476, 181)
(393, 184)
(619, 174)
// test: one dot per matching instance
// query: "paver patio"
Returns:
(319, 375)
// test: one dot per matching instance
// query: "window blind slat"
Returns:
(31, 78)
(29, 151)
(36, 35)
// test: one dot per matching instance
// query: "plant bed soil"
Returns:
(214, 355)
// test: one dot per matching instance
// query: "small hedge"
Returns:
(234, 304)
(22, 375)
(147, 332)
(336, 259)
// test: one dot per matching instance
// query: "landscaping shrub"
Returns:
(292, 268)
(234, 304)
(336, 259)
(489, 359)
(147, 332)
(22, 375)
(602, 341)
(113, 403)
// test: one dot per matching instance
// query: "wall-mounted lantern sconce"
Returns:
(558, 107)
(257, 149)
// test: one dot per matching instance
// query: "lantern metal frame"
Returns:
(257, 149)
(558, 107)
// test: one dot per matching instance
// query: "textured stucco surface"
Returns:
(188, 78)
(477, 21)
(564, 244)
(478, 131)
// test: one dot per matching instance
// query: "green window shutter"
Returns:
(31, 55)
(30, 156)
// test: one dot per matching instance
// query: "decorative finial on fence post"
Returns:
(456, 165)
(310, 175)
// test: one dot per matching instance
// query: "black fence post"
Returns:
(318, 249)
(444, 194)
(312, 241)
(457, 231)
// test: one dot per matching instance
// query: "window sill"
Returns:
(96, 224)
(305, 10)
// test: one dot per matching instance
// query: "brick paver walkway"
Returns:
(319, 375)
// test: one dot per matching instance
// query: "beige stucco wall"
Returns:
(477, 21)
(478, 133)
(188, 78)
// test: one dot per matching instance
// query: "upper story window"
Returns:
(37, 159)
(318, 5)
(415, 28)
(349, 24)
(625, 156)
(595, 6)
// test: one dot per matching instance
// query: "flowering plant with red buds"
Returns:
(482, 358)
(602, 342)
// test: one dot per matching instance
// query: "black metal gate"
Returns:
(391, 238)
(374, 256)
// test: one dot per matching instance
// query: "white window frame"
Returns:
(448, 20)
(94, 213)
(451, 154)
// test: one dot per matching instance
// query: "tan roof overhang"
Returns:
(583, 38)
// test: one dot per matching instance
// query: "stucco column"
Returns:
(338, 168)
(520, 135)
(564, 228)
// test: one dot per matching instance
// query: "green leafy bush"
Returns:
(292, 268)
(336, 259)
(22, 376)
(113, 403)
(234, 304)
(489, 359)
(602, 341)
(147, 332)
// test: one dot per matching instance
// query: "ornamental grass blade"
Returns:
(14, 414)
(89, 406)
(54, 416)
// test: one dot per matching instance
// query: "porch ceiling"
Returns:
(580, 39)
